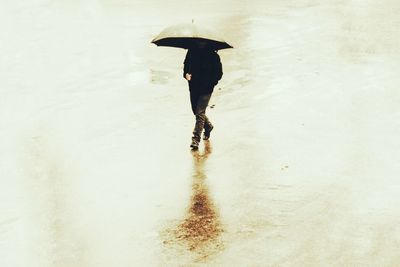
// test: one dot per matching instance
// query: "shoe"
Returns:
(207, 133)
(195, 144)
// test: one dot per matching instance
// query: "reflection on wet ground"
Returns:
(159, 76)
(199, 233)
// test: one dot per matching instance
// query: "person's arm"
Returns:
(218, 69)
(186, 66)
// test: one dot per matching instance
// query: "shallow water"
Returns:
(301, 168)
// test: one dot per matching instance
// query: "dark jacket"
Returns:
(205, 67)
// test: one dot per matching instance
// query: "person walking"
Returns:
(202, 69)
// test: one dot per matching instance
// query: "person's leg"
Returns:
(200, 113)
(207, 123)
(208, 127)
(193, 101)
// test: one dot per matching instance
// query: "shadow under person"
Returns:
(202, 70)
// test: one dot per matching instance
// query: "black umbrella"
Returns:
(187, 35)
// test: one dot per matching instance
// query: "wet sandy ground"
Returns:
(302, 168)
(200, 231)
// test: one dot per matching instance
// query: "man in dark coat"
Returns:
(202, 70)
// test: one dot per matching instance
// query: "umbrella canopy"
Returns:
(187, 35)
